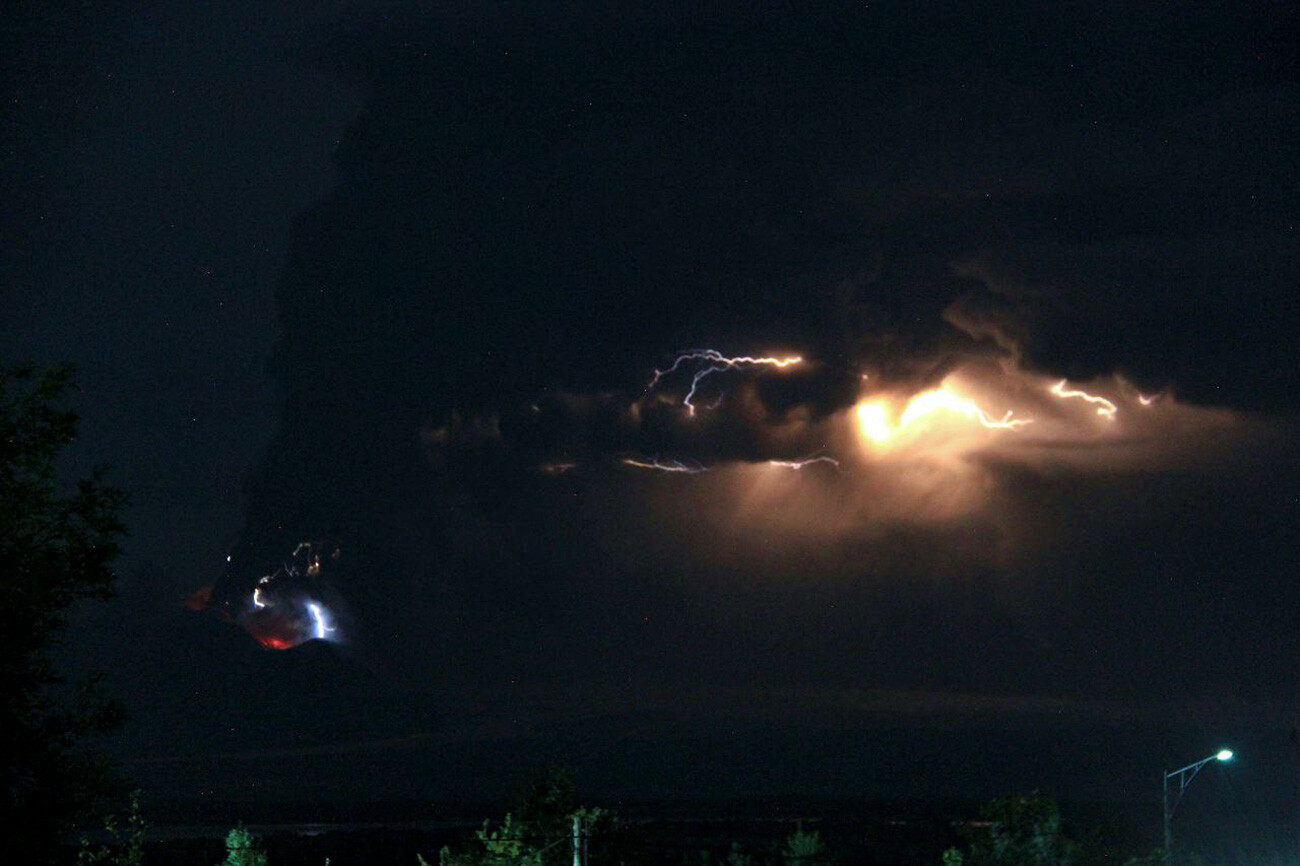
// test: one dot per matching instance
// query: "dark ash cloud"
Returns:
(532, 214)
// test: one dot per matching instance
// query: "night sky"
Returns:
(396, 279)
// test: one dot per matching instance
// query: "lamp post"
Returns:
(1185, 776)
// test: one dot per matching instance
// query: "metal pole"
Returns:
(1169, 838)
(1185, 776)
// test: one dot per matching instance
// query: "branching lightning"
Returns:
(909, 444)
(800, 464)
(1105, 408)
(712, 361)
(672, 464)
(668, 464)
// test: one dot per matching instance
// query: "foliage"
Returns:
(509, 844)
(953, 857)
(1021, 831)
(126, 847)
(1155, 858)
(541, 832)
(244, 849)
(737, 857)
(548, 800)
(803, 847)
(56, 548)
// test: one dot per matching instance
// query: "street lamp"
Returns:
(1185, 776)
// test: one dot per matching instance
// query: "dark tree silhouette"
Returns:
(1021, 831)
(57, 545)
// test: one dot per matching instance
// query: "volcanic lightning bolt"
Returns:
(874, 421)
(665, 465)
(284, 608)
(258, 601)
(711, 361)
(1105, 408)
(922, 449)
(800, 464)
(670, 464)
(323, 628)
(943, 400)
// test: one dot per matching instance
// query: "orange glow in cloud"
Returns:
(874, 421)
(947, 452)
(943, 400)
(929, 452)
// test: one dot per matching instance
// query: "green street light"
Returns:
(1185, 776)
